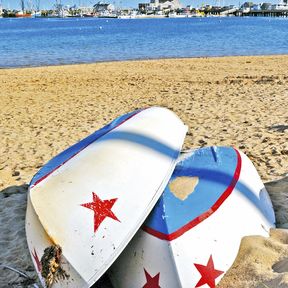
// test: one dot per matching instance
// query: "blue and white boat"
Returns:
(214, 198)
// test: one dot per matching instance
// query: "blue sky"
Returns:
(45, 4)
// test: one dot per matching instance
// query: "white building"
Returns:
(280, 6)
(86, 10)
(256, 7)
(164, 5)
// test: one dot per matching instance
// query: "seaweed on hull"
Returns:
(51, 267)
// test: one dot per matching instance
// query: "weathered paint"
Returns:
(130, 160)
(193, 242)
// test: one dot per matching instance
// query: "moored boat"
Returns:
(21, 14)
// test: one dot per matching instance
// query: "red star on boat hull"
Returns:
(37, 261)
(208, 274)
(151, 282)
(102, 209)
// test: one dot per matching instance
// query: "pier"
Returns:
(265, 13)
(221, 11)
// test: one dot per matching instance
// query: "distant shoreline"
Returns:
(141, 60)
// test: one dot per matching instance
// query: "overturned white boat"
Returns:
(89, 201)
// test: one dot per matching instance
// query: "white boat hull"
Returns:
(171, 252)
(92, 198)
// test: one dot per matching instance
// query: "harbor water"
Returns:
(55, 41)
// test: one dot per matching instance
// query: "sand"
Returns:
(238, 101)
(263, 262)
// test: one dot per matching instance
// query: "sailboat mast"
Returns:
(38, 5)
(22, 5)
(30, 5)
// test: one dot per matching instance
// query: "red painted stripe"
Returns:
(45, 176)
(204, 215)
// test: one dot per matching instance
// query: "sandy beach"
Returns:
(238, 101)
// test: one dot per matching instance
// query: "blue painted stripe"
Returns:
(215, 169)
(74, 149)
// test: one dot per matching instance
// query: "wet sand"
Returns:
(238, 101)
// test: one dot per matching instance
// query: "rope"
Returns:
(19, 272)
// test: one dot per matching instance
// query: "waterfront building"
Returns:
(265, 9)
(282, 6)
(101, 7)
(86, 10)
(246, 7)
(160, 5)
(164, 4)
(142, 7)
(266, 6)
(256, 7)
